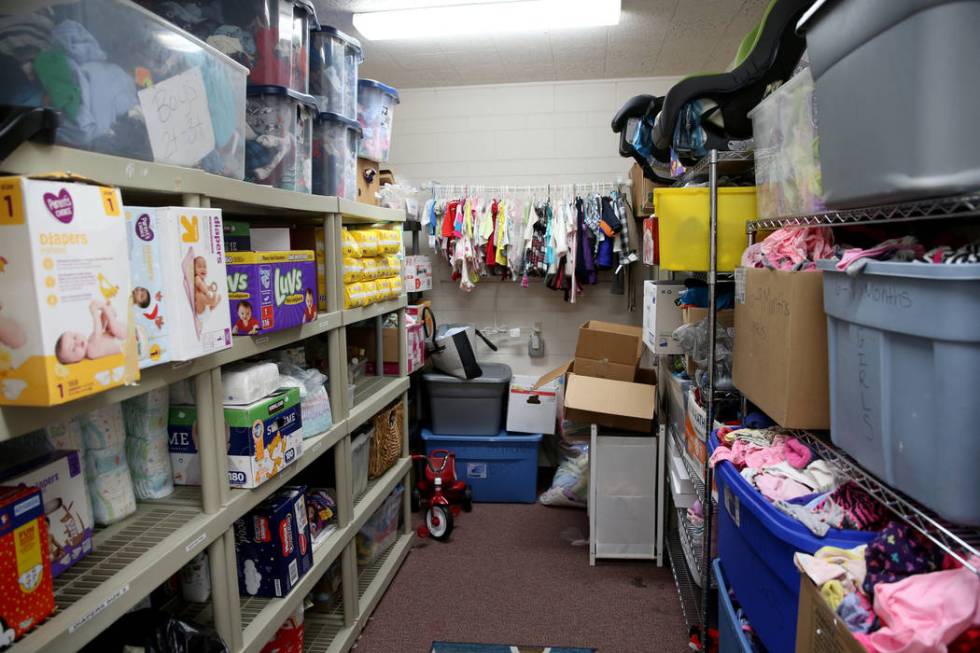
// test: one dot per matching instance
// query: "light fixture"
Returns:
(488, 18)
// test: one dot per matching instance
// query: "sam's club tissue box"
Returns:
(272, 545)
(58, 474)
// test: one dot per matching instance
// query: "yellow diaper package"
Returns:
(348, 244)
(372, 268)
(367, 240)
(389, 241)
(65, 329)
(353, 295)
(353, 269)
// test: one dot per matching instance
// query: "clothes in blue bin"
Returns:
(898, 552)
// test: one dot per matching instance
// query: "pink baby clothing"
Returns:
(790, 249)
(897, 249)
(797, 454)
(926, 612)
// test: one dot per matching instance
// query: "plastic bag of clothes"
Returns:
(570, 486)
(693, 339)
(153, 631)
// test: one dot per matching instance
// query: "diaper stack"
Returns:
(145, 418)
(372, 267)
(110, 484)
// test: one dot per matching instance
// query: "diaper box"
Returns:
(25, 569)
(58, 475)
(237, 236)
(270, 291)
(64, 291)
(314, 238)
(148, 299)
(192, 257)
(272, 545)
(262, 437)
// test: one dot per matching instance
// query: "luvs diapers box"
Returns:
(262, 437)
(149, 298)
(272, 545)
(64, 291)
(192, 260)
(269, 291)
(25, 571)
(58, 475)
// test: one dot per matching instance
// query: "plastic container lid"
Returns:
(310, 9)
(495, 373)
(336, 117)
(504, 438)
(373, 83)
(270, 89)
(932, 271)
(343, 36)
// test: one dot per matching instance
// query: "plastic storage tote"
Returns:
(894, 124)
(360, 459)
(904, 347)
(279, 149)
(375, 110)
(469, 407)
(147, 90)
(335, 141)
(756, 544)
(381, 529)
(269, 37)
(334, 60)
(787, 158)
(731, 637)
(500, 468)
(684, 224)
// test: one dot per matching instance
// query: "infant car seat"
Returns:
(634, 122)
(718, 104)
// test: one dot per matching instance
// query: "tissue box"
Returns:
(263, 438)
(270, 291)
(25, 571)
(192, 259)
(64, 292)
(58, 475)
(272, 545)
(149, 298)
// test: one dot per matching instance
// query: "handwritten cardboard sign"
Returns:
(178, 120)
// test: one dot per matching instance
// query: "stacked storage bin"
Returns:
(279, 149)
(375, 112)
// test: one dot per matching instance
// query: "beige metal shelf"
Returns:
(372, 394)
(373, 580)
(16, 421)
(353, 315)
(378, 490)
(359, 213)
(326, 633)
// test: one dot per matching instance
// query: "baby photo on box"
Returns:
(149, 297)
(64, 288)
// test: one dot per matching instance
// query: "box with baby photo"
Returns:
(148, 299)
(269, 291)
(272, 545)
(192, 262)
(64, 290)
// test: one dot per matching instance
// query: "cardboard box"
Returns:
(25, 570)
(695, 431)
(533, 407)
(150, 307)
(418, 273)
(272, 545)
(368, 181)
(192, 256)
(818, 628)
(58, 475)
(608, 402)
(271, 291)
(642, 190)
(316, 239)
(780, 359)
(263, 438)
(237, 236)
(364, 338)
(416, 310)
(608, 350)
(65, 292)
(692, 315)
(661, 316)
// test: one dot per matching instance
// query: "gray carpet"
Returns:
(507, 577)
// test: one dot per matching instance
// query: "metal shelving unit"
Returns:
(688, 592)
(728, 164)
(133, 557)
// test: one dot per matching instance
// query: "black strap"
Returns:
(467, 357)
(489, 344)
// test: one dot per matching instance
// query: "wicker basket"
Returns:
(386, 443)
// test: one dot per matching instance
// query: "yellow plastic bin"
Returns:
(683, 220)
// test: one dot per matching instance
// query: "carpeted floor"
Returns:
(508, 578)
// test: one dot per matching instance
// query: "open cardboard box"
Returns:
(818, 628)
(608, 350)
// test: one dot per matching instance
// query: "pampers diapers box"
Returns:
(269, 291)
(149, 298)
(64, 287)
(192, 261)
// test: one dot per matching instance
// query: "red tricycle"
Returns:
(442, 492)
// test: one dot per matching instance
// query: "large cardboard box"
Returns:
(781, 346)
(818, 628)
(661, 316)
(532, 407)
(608, 402)
(368, 181)
(693, 315)
(608, 350)
(364, 338)
(642, 191)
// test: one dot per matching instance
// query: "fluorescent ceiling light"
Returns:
(487, 19)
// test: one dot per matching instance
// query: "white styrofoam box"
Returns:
(681, 486)
(418, 273)
(532, 410)
(269, 239)
(661, 316)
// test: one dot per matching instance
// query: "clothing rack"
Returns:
(559, 190)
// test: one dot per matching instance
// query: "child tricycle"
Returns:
(442, 493)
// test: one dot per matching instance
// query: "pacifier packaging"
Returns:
(65, 331)
(192, 262)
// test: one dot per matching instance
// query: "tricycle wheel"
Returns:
(416, 500)
(439, 520)
(467, 499)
